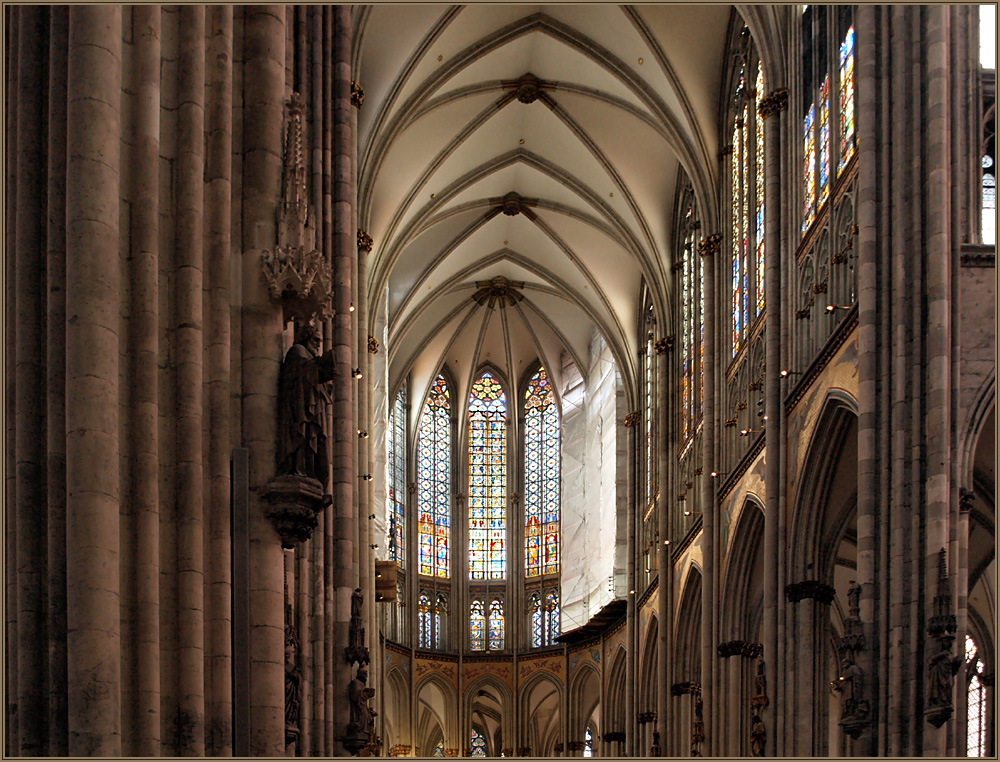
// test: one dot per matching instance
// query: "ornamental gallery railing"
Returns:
(825, 276)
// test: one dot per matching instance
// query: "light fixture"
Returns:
(366, 477)
(666, 542)
(746, 432)
(357, 372)
(790, 373)
(362, 434)
(631, 592)
(373, 547)
(832, 307)
(371, 516)
(351, 308)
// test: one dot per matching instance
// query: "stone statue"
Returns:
(359, 693)
(850, 686)
(760, 688)
(303, 397)
(758, 736)
(356, 650)
(854, 599)
(941, 669)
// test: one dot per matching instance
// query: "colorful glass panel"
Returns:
(496, 625)
(541, 477)
(588, 743)
(552, 617)
(977, 716)
(537, 615)
(989, 221)
(846, 79)
(824, 140)
(424, 621)
(434, 481)
(439, 748)
(477, 626)
(809, 161)
(397, 478)
(648, 420)
(487, 479)
(736, 237)
(478, 743)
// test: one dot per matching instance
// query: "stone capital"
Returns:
(365, 242)
(357, 95)
(710, 245)
(773, 103)
(810, 588)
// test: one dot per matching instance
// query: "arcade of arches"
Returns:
(498, 380)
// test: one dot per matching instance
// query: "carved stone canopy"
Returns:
(498, 291)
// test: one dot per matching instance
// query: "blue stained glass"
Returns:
(478, 744)
(541, 487)
(434, 481)
(477, 626)
(487, 479)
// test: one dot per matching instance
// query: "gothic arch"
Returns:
(541, 701)
(495, 722)
(687, 629)
(435, 712)
(396, 709)
(743, 580)
(584, 700)
(827, 486)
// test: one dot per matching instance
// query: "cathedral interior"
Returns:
(500, 380)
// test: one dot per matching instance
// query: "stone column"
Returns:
(189, 376)
(263, 109)
(142, 710)
(93, 306)
(344, 253)
(770, 110)
(218, 214)
(55, 393)
(707, 249)
(631, 728)
(869, 370)
(666, 448)
(10, 357)
(364, 440)
(29, 413)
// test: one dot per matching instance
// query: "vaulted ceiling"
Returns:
(517, 170)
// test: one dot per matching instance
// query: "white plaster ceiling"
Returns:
(594, 157)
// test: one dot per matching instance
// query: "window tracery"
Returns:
(978, 716)
(397, 479)
(541, 477)
(487, 479)
(434, 481)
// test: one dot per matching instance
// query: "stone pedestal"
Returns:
(294, 503)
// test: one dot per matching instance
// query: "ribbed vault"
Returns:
(539, 144)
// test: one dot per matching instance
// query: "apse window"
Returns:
(978, 717)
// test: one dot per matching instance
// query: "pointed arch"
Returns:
(434, 454)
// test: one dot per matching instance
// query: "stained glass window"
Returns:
(397, 477)
(537, 617)
(759, 166)
(824, 140)
(541, 477)
(487, 479)
(747, 196)
(648, 417)
(846, 80)
(588, 743)
(477, 626)
(496, 625)
(978, 717)
(552, 615)
(440, 608)
(478, 744)
(434, 481)
(439, 748)
(424, 621)
(692, 293)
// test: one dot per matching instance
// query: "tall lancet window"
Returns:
(978, 715)
(827, 102)
(434, 481)
(397, 478)
(477, 626)
(746, 192)
(541, 477)
(496, 625)
(487, 479)
(692, 314)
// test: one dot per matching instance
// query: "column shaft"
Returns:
(218, 212)
(665, 447)
(93, 306)
(142, 710)
(55, 364)
(10, 397)
(29, 336)
(773, 443)
(263, 117)
(344, 253)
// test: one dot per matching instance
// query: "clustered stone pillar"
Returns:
(29, 337)
(631, 728)
(771, 108)
(93, 306)
(707, 249)
(55, 370)
(263, 117)
(142, 707)
(344, 253)
(218, 225)
(666, 453)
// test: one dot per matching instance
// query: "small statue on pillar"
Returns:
(293, 678)
(356, 652)
(654, 750)
(760, 700)
(297, 493)
(943, 665)
(361, 728)
(303, 398)
(758, 736)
